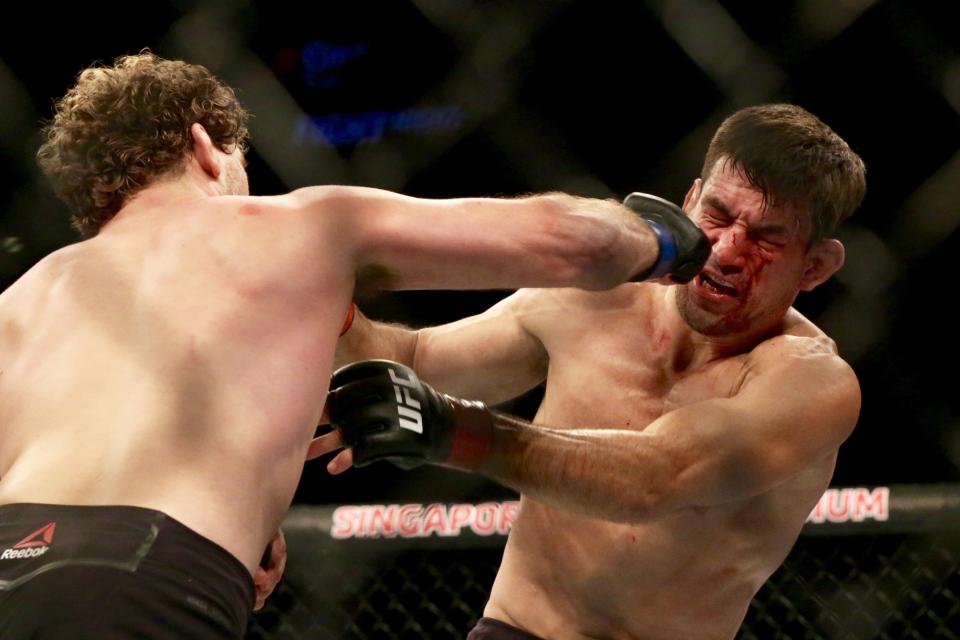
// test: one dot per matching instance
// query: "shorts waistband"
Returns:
(111, 516)
(122, 536)
(169, 573)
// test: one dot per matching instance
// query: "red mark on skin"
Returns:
(759, 260)
(661, 342)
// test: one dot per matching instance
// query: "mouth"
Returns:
(716, 285)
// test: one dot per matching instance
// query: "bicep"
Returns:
(782, 421)
(492, 357)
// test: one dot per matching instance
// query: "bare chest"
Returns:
(612, 378)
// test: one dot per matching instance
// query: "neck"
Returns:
(164, 194)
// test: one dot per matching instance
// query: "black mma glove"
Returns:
(683, 247)
(384, 412)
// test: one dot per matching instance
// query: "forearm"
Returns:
(601, 242)
(615, 474)
(612, 474)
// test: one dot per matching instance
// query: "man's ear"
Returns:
(204, 150)
(823, 260)
(693, 194)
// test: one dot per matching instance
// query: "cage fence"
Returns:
(878, 563)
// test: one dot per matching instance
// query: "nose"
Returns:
(729, 248)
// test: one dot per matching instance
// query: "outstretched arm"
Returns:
(797, 407)
(400, 242)
(550, 240)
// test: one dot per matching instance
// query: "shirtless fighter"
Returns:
(161, 381)
(686, 431)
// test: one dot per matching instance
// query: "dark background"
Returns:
(597, 98)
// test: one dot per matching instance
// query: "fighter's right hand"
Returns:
(271, 568)
(683, 246)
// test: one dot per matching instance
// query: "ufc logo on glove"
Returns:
(407, 408)
(428, 426)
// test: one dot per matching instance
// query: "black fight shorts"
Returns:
(112, 573)
(490, 629)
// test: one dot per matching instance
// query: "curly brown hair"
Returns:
(123, 126)
(791, 156)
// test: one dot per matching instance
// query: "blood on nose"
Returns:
(736, 251)
(728, 246)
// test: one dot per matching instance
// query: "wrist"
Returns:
(472, 442)
(666, 254)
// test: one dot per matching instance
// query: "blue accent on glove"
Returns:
(668, 252)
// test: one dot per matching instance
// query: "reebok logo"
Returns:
(408, 408)
(35, 544)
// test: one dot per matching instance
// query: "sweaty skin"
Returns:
(690, 572)
(685, 432)
(179, 360)
(149, 366)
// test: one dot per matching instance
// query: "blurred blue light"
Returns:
(350, 128)
(319, 57)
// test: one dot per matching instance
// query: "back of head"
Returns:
(121, 127)
(792, 157)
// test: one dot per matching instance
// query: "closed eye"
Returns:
(715, 217)
(771, 242)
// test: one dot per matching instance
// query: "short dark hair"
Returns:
(791, 156)
(121, 127)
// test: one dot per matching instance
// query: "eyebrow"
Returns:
(762, 229)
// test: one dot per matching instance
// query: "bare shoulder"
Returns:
(805, 361)
(799, 338)
(550, 309)
(309, 202)
(24, 303)
(45, 271)
(335, 201)
(618, 299)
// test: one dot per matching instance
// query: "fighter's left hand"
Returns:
(331, 442)
(266, 578)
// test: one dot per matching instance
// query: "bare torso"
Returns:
(688, 575)
(174, 363)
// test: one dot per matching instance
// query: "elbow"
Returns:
(635, 507)
(639, 502)
(657, 491)
(647, 505)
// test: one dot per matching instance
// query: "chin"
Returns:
(712, 326)
(706, 323)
